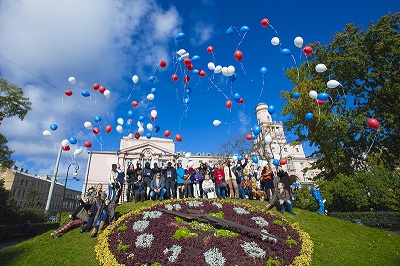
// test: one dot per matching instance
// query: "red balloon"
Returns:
(318, 102)
(373, 123)
(307, 50)
(167, 133)
(186, 79)
(152, 118)
(163, 63)
(102, 89)
(189, 67)
(96, 86)
(96, 130)
(68, 92)
(187, 61)
(134, 103)
(210, 49)
(264, 22)
(238, 55)
(249, 137)
(228, 104)
(108, 128)
(240, 101)
(202, 73)
(87, 144)
(178, 137)
(136, 135)
(283, 161)
(66, 148)
(174, 77)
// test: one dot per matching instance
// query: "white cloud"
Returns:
(202, 33)
(100, 42)
(244, 120)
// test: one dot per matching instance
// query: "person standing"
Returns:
(121, 181)
(130, 179)
(169, 174)
(147, 176)
(319, 199)
(180, 173)
(230, 178)
(112, 181)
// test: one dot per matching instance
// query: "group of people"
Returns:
(95, 210)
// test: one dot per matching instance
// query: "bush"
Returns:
(304, 199)
(387, 220)
(34, 215)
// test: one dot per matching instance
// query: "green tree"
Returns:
(9, 212)
(366, 63)
(12, 103)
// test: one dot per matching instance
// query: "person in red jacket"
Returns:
(220, 182)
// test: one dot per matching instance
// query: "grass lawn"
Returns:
(336, 242)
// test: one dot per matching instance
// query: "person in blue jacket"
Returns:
(319, 199)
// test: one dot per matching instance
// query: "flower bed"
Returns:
(153, 237)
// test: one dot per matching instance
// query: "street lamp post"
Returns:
(65, 185)
(53, 181)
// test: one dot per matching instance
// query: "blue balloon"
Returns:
(253, 137)
(180, 59)
(296, 95)
(188, 90)
(236, 97)
(263, 71)
(156, 129)
(229, 32)
(128, 124)
(286, 51)
(97, 118)
(85, 93)
(233, 77)
(53, 127)
(152, 79)
(186, 100)
(240, 157)
(271, 109)
(195, 71)
(244, 29)
(180, 36)
(276, 162)
(254, 159)
(153, 90)
(72, 140)
(323, 96)
(195, 58)
(130, 113)
(256, 129)
(309, 116)
(141, 118)
(148, 135)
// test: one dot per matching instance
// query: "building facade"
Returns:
(32, 191)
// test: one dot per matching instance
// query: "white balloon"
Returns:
(119, 129)
(218, 69)
(188, 155)
(150, 96)
(225, 72)
(135, 79)
(130, 135)
(46, 133)
(234, 157)
(320, 68)
(107, 94)
(120, 121)
(313, 94)
(277, 157)
(275, 41)
(268, 139)
(87, 125)
(231, 70)
(181, 52)
(64, 142)
(211, 66)
(78, 151)
(190, 163)
(149, 127)
(264, 163)
(140, 130)
(332, 84)
(216, 123)
(298, 41)
(71, 80)
(153, 113)
(139, 124)
(185, 55)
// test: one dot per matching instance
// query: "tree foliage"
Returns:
(366, 62)
(12, 103)
(9, 213)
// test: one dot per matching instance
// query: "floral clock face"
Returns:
(154, 237)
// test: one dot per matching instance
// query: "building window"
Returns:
(179, 161)
(26, 182)
(297, 149)
(273, 149)
(22, 182)
(285, 149)
(301, 165)
(19, 192)
(23, 193)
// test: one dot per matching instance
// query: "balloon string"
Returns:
(100, 143)
(130, 93)
(218, 88)
(244, 71)
(373, 141)
(262, 89)
(183, 115)
(237, 47)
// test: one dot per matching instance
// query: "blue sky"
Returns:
(46, 42)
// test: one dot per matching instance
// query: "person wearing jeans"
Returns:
(157, 187)
(219, 176)
(282, 198)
